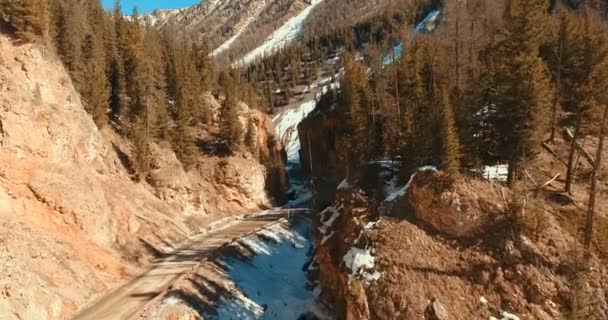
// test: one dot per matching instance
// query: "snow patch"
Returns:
(496, 173)
(344, 184)
(286, 124)
(506, 316)
(361, 262)
(273, 283)
(287, 33)
(244, 27)
(401, 192)
(335, 213)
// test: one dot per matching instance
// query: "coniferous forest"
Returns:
(484, 83)
(492, 84)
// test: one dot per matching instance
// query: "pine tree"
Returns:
(185, 80)
(523, 87)
(599, 82)
(231, 130)
(355, 98)
(96, 93)
(69, 40)
(115, 66)
(141, 151)
(136, 73)
(28, 17)
(183, 143)
(451, 150)
(251, 137)
(423, 109)
(204, 65)
(559, 56)
(156, 85)
(587, 82)
(414, 101)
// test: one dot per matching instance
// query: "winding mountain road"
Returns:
(129, 300)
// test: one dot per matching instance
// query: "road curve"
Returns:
(127, 301)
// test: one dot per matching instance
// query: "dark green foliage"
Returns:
(355, 98)
(251, 137)
(28, 17)
(522, 93)
(96, 93)
(231, 130)
(141, 149)
(69, 38)
(451, 150)
(276, 176)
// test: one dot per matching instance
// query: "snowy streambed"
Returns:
(273, 283)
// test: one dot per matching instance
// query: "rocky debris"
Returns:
(488, 268)
(344, 268)
(436, 311)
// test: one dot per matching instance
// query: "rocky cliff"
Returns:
(73, 224)
(323, 150)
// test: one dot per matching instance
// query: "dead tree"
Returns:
(595, 176)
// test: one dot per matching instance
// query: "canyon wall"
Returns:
(73, 223)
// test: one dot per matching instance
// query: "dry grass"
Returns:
(572, 220)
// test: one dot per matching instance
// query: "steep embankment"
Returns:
(430, 253)
(73, 223)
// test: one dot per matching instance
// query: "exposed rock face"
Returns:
(323, 149)
(459, 212)
(72, 222)
(341, 227)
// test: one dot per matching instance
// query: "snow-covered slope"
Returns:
(280, 37)
(257, 9)
(273, 284)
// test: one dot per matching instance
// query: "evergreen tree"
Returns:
(523, 87)
(96, 93)
(450, 145)
(141, 149)
(231, 130)
(115, 69)
(559, 55)
(251, 137)
(355, 99)
(136, 72)
(413, 123)
(69, 39)
(204, 65)
(28, 17)
(155, 86)
(185, 81)
(586, 75)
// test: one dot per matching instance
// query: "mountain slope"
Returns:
(74, 224)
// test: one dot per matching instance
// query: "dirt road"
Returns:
(128, 300)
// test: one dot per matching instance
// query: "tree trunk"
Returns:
(597, 171)
(571, 168)
(457, 47)
(513, 173)
(556, 99)
(396, 82)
